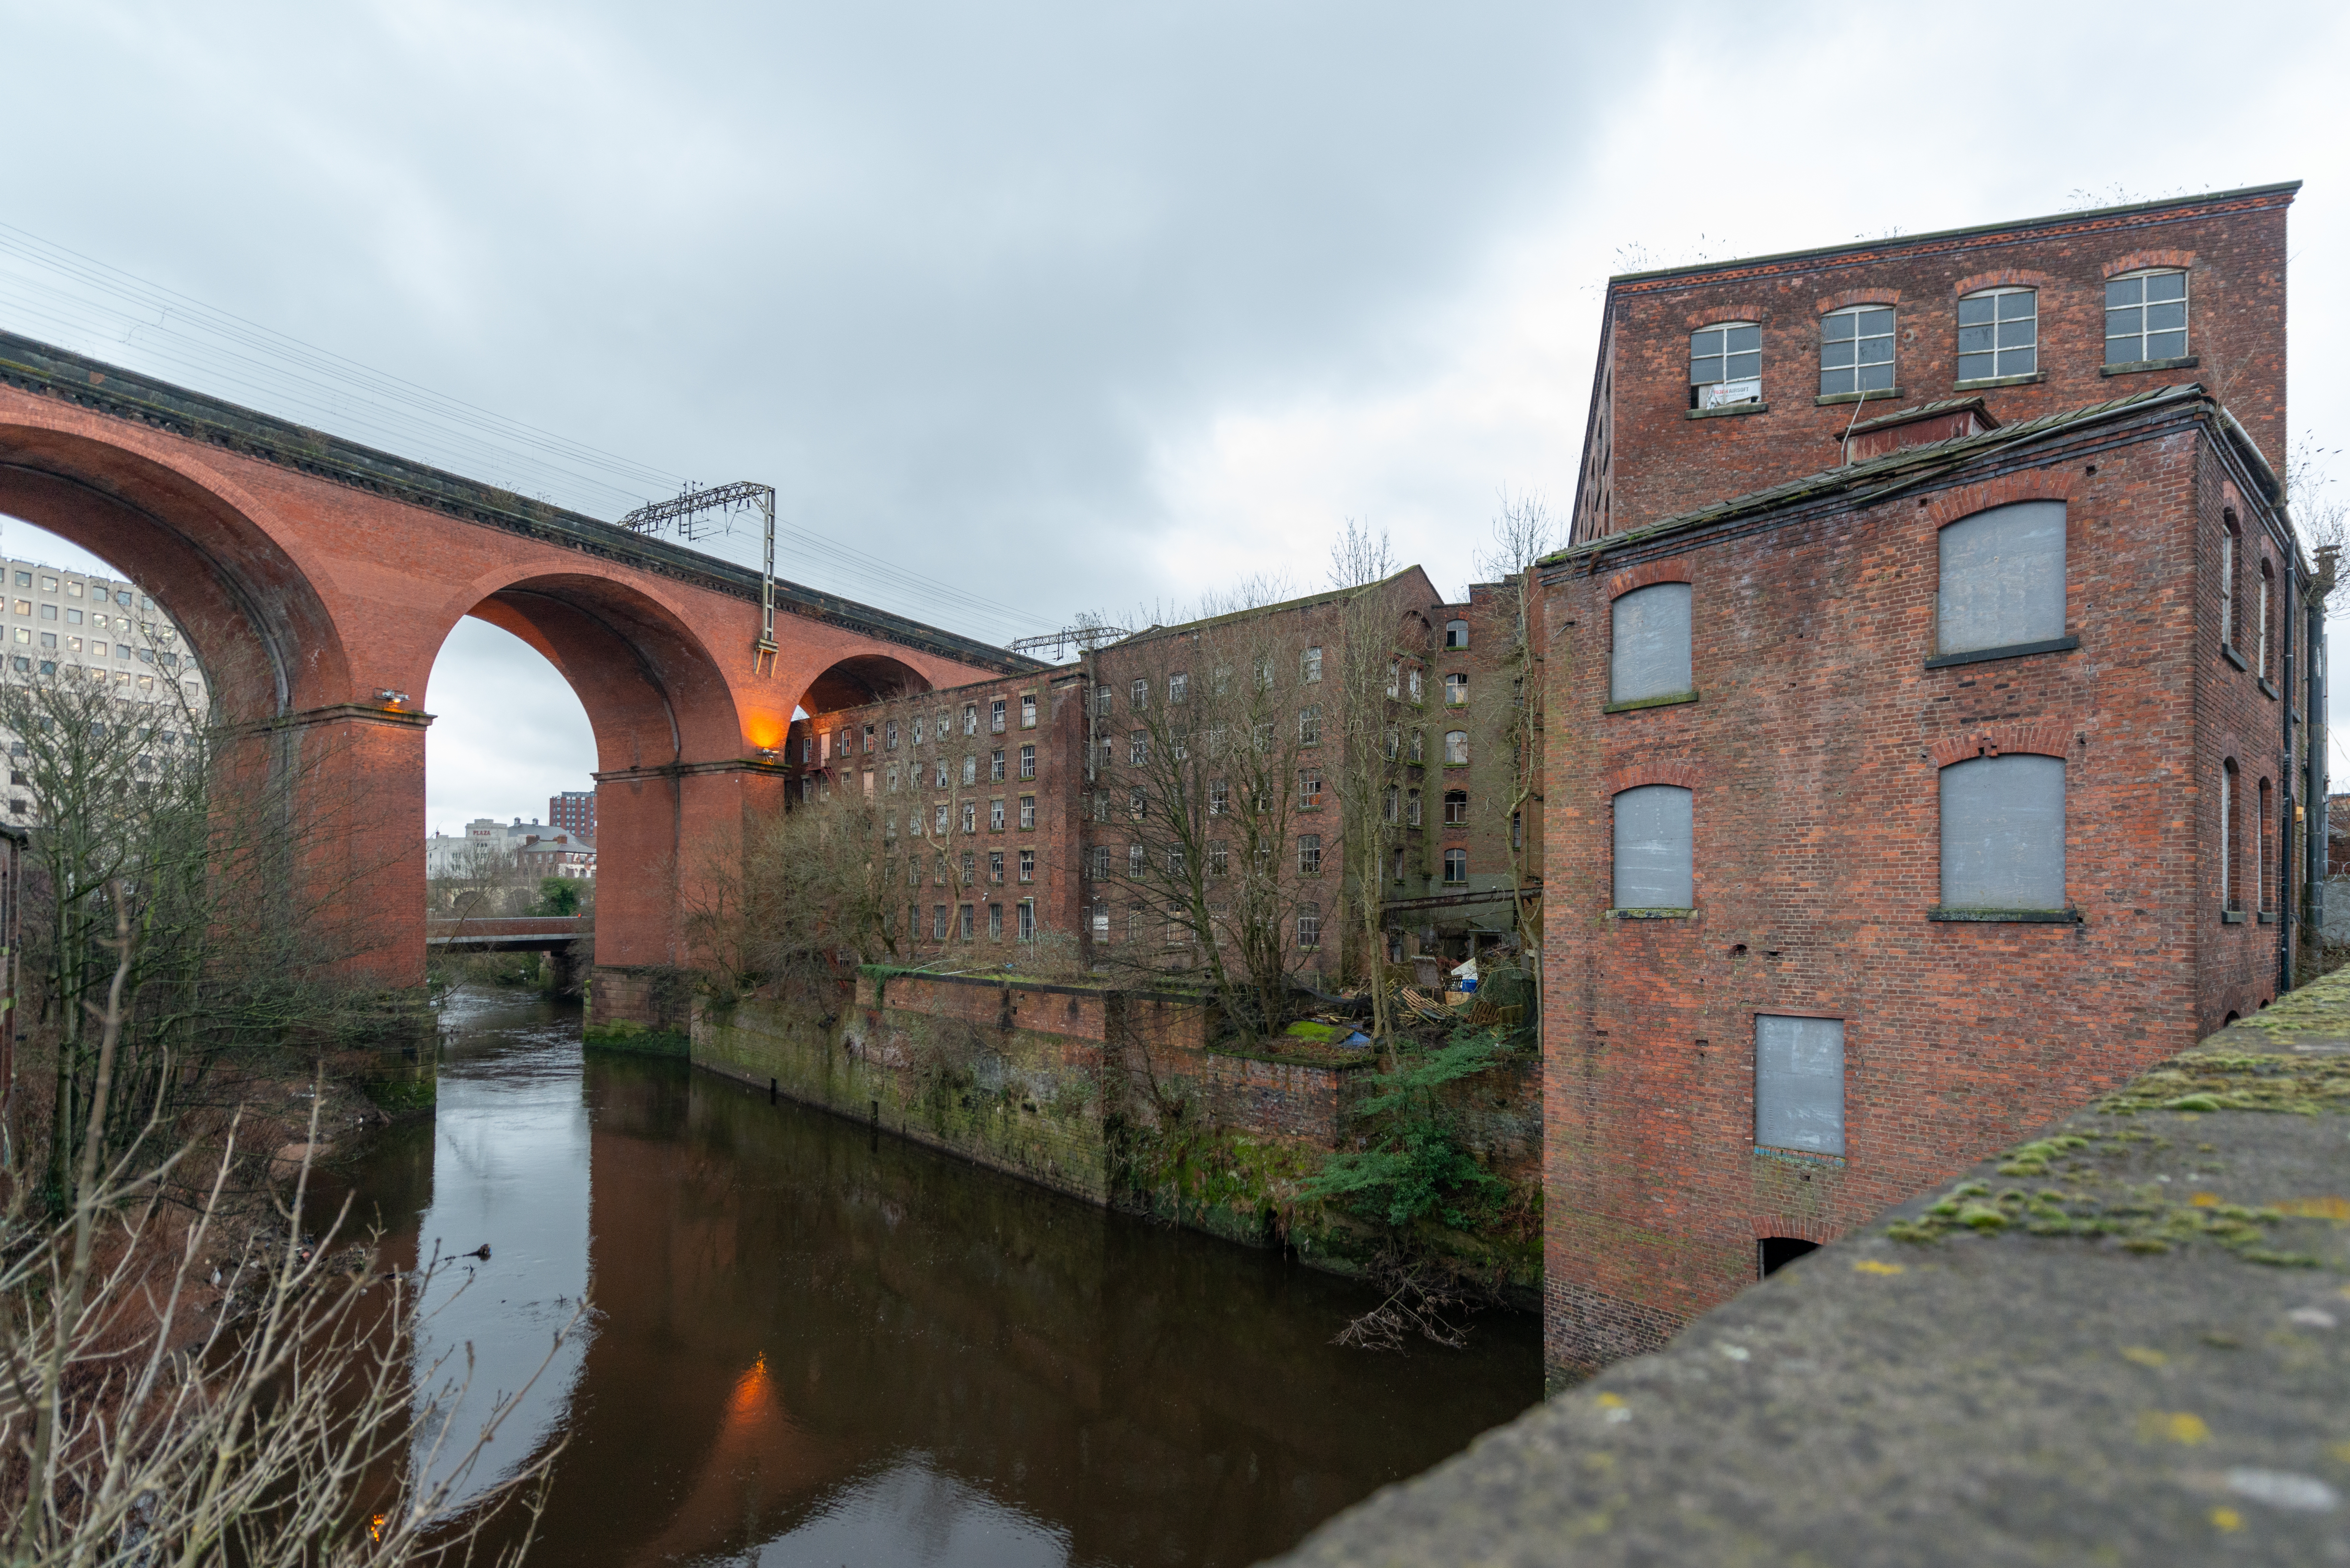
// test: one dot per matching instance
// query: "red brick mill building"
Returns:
(1929, 709)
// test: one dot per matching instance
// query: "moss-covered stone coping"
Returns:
(2126, 1340)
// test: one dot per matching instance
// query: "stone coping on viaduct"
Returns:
(47, 371)
(2126, 1341)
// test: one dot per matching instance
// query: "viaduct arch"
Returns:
(316, 580)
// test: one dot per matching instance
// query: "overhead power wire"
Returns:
(50, 291)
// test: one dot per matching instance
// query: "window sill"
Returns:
(2136, 365)
(2008, 917)
(1825, 399)
(2268, 917)
(2232, 917)
(1657, 914)
(1727, 410)
(2270, 690)
(2232, 656)
(2013, 650)
(1636, 703)
(1799, 1156)
(1984, 383)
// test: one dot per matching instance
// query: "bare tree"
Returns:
(285, 1426)
(1524, 532)
(1359, 557)
(1202, 780)
(2320, 514)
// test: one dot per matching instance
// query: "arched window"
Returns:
(1648, 634)
(2227, 834)
(1456, 807)
(2004, 833)
(1856, 350)
(1654, 827)
(2145, 317)
(1456, 866)
(1456, 634)
(1999, 334)
(1456, 746)
(2003, 579)
(1725, 364)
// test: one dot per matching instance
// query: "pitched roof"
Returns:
(1863, 479)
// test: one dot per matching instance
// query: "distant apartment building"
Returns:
(573, 811)
(1932, 679)
(1190, 779)
(65, 625)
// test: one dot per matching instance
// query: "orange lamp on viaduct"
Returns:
(316, 580)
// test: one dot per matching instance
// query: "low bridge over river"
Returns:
(316, 580)
(506, 933)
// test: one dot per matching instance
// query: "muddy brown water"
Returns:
(814, 1344)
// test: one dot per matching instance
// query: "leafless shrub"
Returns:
(1422, 1299)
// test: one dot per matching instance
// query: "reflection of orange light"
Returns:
(751, 1390)
(375, 1528)
(765, 730)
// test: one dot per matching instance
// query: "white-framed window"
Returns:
(2003, 578)
(2260, 625)
(1309, 788)
(971, 718)
(942, 779)
(1027, 866)
(2004, 833)
(1309, 925)
(1394, 812)
(1138, 695)
(1649, 638)
(940, 827)
(1138, 804)
(1027, 811)
(1456, 746)
(996, 865)
(1309, 727)
(1456, 866)
(970, 769)
(1655, 848)
(1456, 691)
(1413, 680)
(1027, 762)
(2145, 316)
(1175, 861)
(1138, 747)
(1856, 350)
(995, 921)
(1178, 687)
(1028, 710)
(1134, 859)
(1725, 364)
(1456, 634)
(1027, 923)
(995, 766)
(1411, 808)
(1219, 857)
(1395, 677)
(1310, 665)
(1999, 334)
(1220, 798)
(996, 816)
(1456, 808)
(970, 817)
(918, 732)
(1799, 1084)
(1309, 854)
(962, 921)
(1098, 867)
(996, 717)
(938, 922)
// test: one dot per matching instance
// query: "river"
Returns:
(812, 1344)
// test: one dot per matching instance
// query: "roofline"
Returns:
(1307, 601)
(47, 371)
(1899, 470)
(2285, 189)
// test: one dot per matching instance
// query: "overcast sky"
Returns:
(1057, 308)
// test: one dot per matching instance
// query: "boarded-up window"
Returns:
(2002, 577)
(1649, 643)
(2004, 834)
(1652, 849)
(1799, 1084)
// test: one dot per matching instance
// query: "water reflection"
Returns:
(813, 1344)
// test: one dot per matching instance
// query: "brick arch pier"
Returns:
(318, 580)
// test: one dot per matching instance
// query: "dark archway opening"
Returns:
(1773, 1253)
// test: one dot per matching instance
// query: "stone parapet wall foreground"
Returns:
(2127, 1339)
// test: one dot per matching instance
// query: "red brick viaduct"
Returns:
(316, 580)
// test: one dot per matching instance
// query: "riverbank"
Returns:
(1126, 1098)
(2127, 1339)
